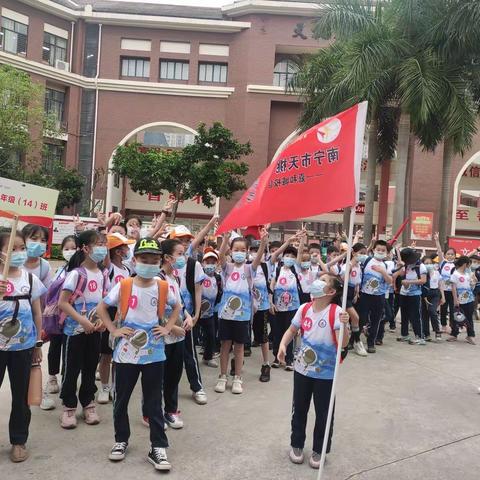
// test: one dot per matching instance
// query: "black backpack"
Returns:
(190, 279)
(218, 278)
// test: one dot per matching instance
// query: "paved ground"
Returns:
(408, 412)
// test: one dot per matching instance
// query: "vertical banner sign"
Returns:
(317, 173)
(421, 226)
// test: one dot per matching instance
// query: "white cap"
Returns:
(210, 255)
(180, 231)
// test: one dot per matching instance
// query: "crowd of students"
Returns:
(131, 302)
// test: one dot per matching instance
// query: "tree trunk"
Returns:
(347, 212)
(444, 217)
(408, 189)
(399, 213)
(173, 217)
(371, 174)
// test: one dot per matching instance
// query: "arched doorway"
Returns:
(466, 199)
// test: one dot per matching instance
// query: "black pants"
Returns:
(448, 305)
(172, 376)
(411, 314)
(55, 354)
(430, 312)
(82, 353)
(208, 327)
(192, 368)
(467, 309)
(126, 377)
(370, 311)
(303, 390)
(19, 365)
(390, 310)
(280, 324)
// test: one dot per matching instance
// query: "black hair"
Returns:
(452, 249)
(168, 246)
(136, 217)
(87, 237)
(68, 238)
(358, 246)
(5, 237)
(463, 260)
(337, 285)
(238, 239)
(212, 244)
(274, 244)
(381, 243)
(314, 245)
(475, 257)
(30, 229)
(291, 250)
(332, 249)
(254, 248)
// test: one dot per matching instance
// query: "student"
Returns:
(446, 268)
(390, 294)
(211, 296)
(20, 340)
(315, 252)
(318, 323)
(432, 297)
(68, 248)
(462, 292)
(82, 339)
(36, 239)
(375, 281)
(139, 348)
(235, 309)
(413, 275)
(332, 254)
(359, 255)
(273, 247)
(119, 252)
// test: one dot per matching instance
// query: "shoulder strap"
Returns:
(190, 279)
(218, 278)
(303, 315)
(105, 282)
(265, 273)
(417, 271)
(299, 285)
(30, 284)
(81, 284)
(162, 298)
(112, 274)
(125, 292)
(363, 266)
(331, 320)
(277, 271)
(44, 267)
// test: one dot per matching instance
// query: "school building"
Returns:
(117, 71)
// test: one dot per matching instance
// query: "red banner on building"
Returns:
(318, 173)
(421, 226)
(464, 246)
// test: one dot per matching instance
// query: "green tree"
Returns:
(208, 168)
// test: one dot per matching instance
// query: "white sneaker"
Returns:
(296, 455)
(97, 376)
(52, 385)
(47, 402)
(221, 385)
(174, 420)
(104, 395)
(211, 363)
(200, 397)
(237, 385)
(359, 349)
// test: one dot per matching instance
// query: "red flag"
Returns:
(318, 173)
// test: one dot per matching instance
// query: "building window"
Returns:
(55, 105)
(54, 48)
(173, 70)
(136, 67)
(284, 72)
(116, 180)
(213, 72)
(14, 36)
(52, 156)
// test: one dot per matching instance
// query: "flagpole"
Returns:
(340, 341)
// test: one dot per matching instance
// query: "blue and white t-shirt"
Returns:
(236, 301)
(119, 274)
(317, 353)
(373, 282)
(410, 273)
(464, 287)
(446, 269)
(87, 303)
(306, 278)
(21, 333)
(355, 277)
(209, 296)
(182, 275)
(390, 268)
(260, 291)
(174, 288)
(285, 294)
(142, 316)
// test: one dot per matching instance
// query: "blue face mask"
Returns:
(362, 258)
(98, 254)
(18, 259)
(127, 256)
(36, 249)
(209, 269)
(239, 257)
(145, 270)
(289, 262)
(430, 268)
(306, 265)
(180, 262)
(468, 271)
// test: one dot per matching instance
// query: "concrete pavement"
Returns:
(405, 413)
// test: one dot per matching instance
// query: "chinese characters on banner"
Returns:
(31, 203)
(463, 246)
(421, 226)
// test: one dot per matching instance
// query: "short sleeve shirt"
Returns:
(182, 275)
(175, 290)
(20, 333)
(446, 269)
(42, 268)
(143, 346)
(236, 301)
(464, 287)
(118, 274)
(411, 274)
(355, 277)
(373, 282)
(285, 294)
(209, 296)
(260, 290)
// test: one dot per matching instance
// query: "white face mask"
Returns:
(380, 255)
(317, 289)
(68, 254)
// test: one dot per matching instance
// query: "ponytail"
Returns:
(85, 238)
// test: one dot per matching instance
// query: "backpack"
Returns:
(331, 321)
(442, 265)
(218, 278)
(400, 278)
(190, 280)
(294, 271)
(16, 298)
(53, 318)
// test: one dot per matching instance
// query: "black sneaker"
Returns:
(117, 452)
(265, 373)
(247, 352)
(232, 367)
(289, 367)
(371, 350)
(379, 342)
(255, 344)
(276, 364)
(158, 458)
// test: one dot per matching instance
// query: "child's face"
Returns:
(18, 246)
(37, 237)
(133, 223)
(450, 255)
(118, 229)
(380, 250)
(70, 245)
(148, 259)
(210, 261)
(239, 247)
(306, 257)
(329, 290)
(363, 251)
